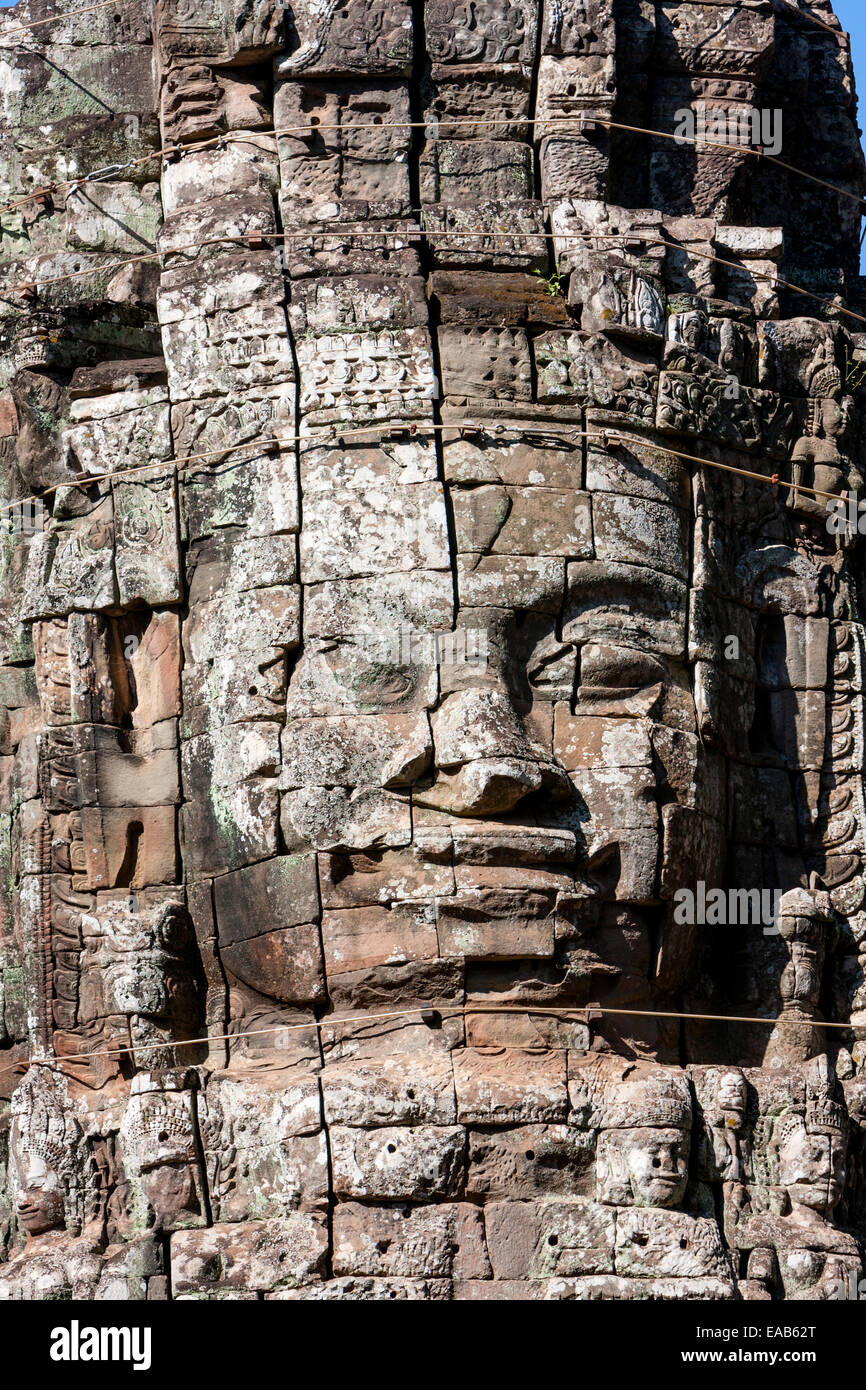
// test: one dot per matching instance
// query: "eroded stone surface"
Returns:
(394, 714)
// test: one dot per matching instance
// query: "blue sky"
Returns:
(852, 16)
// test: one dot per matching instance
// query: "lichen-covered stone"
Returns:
(416, 768)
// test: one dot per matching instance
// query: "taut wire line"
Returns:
(386, 430)
(59, 18)
(579, 1012)
(72, 14)
(808, 14)
(557, 125)
(418, 233)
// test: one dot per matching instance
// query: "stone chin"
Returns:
(657, 1189)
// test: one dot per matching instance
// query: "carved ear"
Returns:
(613, 1184)
(779, 1201)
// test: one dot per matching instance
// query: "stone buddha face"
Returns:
(509, 753)
(731, 1094)
(379, 650)
(645, 1141)
(643, 1166)
(657, 1162)
(834, 418)
(40, 1200)
(44, 1148)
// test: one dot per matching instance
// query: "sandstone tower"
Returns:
(432, 812)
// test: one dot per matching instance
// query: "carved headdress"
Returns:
(158, 1125)
(649, 1099)
(825, 383)
(825, 379)
(810, 1104)
(645, 1100)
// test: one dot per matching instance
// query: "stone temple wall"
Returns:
(432, 747)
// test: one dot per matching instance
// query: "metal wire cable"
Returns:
(580, 1013)
(419, 233)
(59, 18)
(335, 435)
(557, 125)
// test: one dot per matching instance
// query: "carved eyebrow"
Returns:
(655, 605)
(625, 580)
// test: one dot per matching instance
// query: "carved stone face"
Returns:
(731, 1094)
(643, 1166)
(45, 1151)
(527, 753)
(435, 579)
(835, 417)
(157, 1143)
(145, 959)
(812, 1168)
(657, 1161)
(40, 1201)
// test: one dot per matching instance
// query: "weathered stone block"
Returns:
(398, 1163)
(267, 930)
(538, 1240)
(510, 1087)
(410, 1242)
(257, 1256)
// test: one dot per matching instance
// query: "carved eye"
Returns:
(553, 670)
(619, 668)
(384, 686)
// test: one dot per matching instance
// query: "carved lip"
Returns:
(515, 846)
(492, 902)
(30, 1212)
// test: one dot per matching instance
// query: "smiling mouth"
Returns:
(29, 1212)
(822, 1186)
(514, 845)
(502, 861)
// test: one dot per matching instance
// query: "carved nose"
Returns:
(667, 1164)
(485, 761)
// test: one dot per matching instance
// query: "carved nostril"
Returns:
(488, 786)
(485, 760)
(496, 786)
